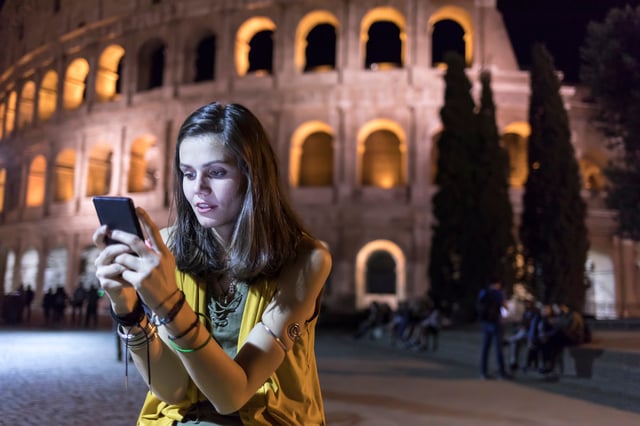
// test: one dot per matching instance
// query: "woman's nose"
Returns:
(202, 186)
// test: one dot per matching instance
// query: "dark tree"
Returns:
(453, 201)
(553, 230)
(611, 70)
(492, 248)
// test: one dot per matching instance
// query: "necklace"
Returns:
(219, 310)
(230, 292)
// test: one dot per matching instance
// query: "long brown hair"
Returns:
(267, 231)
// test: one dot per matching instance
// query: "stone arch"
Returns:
(151, 64)
(99, 170)
(382, 148)
(48, 95)
(108, 74)
(36, 181)
(305, 45)
(144, 164)
(3, 109)
(55, 271)
(319, 134)
(515, 140)
(64, 177)
(75, 84)
(3, 183)
(462, 18)
(244, 36)
(396, 48)
(29, 262)
(9, 268)
(26, 108)
(10, 114)
(364, 298)
(87, 267)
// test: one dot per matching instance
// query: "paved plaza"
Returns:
(67, 377)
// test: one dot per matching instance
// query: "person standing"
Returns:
(233, 287)
(490, 303)
(77, 301)
(28, 300)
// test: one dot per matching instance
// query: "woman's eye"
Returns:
(217, 173)
(189, 175)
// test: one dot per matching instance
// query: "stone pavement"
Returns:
(72, 377)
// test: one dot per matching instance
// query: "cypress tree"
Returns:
(552, 231)
(453, 201)
(493, 247)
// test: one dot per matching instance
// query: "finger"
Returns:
(100, 236)
(152, 231)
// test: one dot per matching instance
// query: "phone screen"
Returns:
(118, 213)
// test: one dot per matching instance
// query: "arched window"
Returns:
(99, 170)
(320, 54)
(205, 61)
(384, 46)
(381, 273)
(10, 115)
(151, 64)
(29, 267)
(316, 160)
(448, 36)
(254, 46)
(144, 165)
(75, 83)
(515, 141)
(261, 53)
(3, 182)
(9, 265)
(451, 29)
(382, 160)
(55, 272)
(383, 39)
(27, 103)
(108, 75)
(48, 95)
(64, 176)
(36, 182)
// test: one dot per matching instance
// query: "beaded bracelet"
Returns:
(195, 325)
(172, 312)
(190, 350)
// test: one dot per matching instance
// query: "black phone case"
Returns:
(118, 213)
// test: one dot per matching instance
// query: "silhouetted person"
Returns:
(47, 305)
(77, 302)
(28, 300)
(490, 302)
(91, 315)
(59, 305)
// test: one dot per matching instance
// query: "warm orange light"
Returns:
(36, 181)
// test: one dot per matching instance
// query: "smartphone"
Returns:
(118, 213)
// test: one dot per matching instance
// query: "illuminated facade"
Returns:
(92, 94)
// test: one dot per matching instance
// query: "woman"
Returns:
(232, 288)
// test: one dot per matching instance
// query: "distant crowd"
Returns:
(538, 336)
(58, 308)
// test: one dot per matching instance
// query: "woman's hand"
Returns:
(133, 265)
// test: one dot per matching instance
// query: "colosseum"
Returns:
(92, 94)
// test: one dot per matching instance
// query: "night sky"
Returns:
(559, 24)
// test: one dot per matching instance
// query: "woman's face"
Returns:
(211, 183)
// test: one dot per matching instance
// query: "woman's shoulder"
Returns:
(313, 252)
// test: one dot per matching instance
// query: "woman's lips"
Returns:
(204, 207)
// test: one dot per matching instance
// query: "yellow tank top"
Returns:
(290, 396)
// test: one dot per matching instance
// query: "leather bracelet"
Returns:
(132, 318)
(195, 325)
(172, 312)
